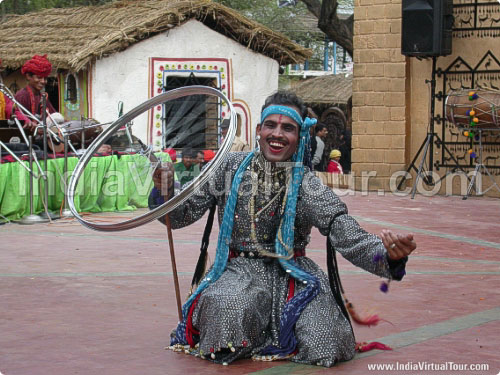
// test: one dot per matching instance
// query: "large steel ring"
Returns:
(178, 199)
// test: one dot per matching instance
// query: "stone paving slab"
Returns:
(75, 301)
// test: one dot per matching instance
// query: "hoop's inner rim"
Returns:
(178, 199)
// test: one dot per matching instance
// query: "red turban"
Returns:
(38, 65)
(208, 155)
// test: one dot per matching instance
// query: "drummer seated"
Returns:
(104, 149)
(55, 119)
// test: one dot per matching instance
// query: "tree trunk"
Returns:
(336, 29)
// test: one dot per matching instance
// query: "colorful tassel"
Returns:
(367, 346)
(371, 320)
(384, 287)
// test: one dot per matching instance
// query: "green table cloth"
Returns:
(109, 183)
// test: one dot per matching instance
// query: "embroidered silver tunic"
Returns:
(241, 310)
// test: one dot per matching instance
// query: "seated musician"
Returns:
(36, 72)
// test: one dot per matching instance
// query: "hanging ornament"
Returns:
(472, 95)
(384, 286)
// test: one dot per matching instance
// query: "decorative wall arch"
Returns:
(246, 120)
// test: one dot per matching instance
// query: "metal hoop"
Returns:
(180, 198)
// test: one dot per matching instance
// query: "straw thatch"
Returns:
(328, 89)
(74, 37)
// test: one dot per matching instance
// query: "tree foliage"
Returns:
(25, 6)
(334, 18)
(295, 22)
(336, 28)
(290, 21)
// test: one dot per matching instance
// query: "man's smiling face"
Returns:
(37, 82)
(279, 136)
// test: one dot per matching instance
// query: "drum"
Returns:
(480, 106)
(74, 129)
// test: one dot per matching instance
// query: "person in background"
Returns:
(200, 158)
(188, 168)
(321, 133)
(334, 164)
(345, 149)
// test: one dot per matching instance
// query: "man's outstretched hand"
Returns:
(398, 245)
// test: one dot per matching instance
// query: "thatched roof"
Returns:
(328, 89)
(74, 37)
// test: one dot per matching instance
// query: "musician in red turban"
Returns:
(36, 71)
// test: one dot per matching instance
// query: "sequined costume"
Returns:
(239, 315)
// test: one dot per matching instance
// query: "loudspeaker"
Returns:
(426, 27)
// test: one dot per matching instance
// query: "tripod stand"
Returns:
(428, 148)
(427, 145)
(475, 181)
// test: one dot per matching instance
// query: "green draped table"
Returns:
(109, 183)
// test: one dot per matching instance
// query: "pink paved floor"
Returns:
(75, 301)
